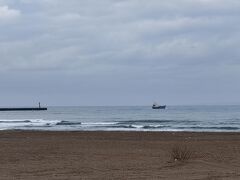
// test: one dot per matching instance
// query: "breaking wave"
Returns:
(66, 123)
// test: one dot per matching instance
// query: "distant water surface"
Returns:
(126, 118)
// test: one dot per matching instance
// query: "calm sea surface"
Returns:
(126, 118)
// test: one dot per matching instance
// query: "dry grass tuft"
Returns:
(181, 153)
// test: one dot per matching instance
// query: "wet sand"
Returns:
(117, 155)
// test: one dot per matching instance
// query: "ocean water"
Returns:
(125, 118)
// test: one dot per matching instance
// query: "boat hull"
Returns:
(159, 107)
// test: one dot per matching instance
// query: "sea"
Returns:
(207, 118)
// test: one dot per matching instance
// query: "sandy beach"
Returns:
(118, 155)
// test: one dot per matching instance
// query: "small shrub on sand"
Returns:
(181, 153)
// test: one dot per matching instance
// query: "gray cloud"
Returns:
(121, 52)
(7, 14)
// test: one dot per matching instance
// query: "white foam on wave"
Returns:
(99, 123)
(7, 124)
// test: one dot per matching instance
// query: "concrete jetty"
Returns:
(24, 109)
(39, 108)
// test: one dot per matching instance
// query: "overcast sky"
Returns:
(119, 52)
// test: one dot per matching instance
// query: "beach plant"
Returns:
(181, 153)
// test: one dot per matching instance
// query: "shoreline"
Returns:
(36, 130)
(117, 155)
(114, 131)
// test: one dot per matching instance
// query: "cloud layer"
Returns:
(173, 50)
